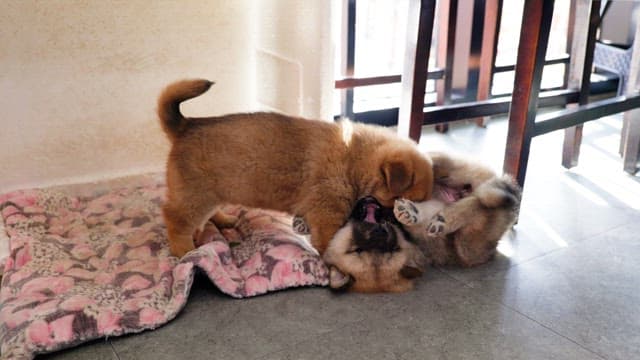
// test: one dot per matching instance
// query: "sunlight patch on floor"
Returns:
(547, 229)
(506, 248)
(584, 191)
(623, 187)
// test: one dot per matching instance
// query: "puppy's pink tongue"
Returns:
(371, 213)
(448, 194)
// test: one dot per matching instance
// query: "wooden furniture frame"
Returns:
(527, 97)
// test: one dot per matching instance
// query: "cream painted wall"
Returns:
(80, 79)
(294, 56)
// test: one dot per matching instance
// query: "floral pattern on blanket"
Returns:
(89, 261)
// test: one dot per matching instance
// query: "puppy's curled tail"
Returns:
(501, 192)
(171, 119)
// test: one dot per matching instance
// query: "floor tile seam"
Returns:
(449, 275)
(582, 241)
(535, 258)
(483, 300)
(470, 283)
(526, 261)
(113, 348)
(546, 327)
(602, 232)
(551, 252)
(556, 332)
(628, 219)
(302, 341)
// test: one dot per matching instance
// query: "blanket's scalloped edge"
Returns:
(171, 316)
(78, 341)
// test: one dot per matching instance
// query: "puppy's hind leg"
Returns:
(182, 221)
(224, 221)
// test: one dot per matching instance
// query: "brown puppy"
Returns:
(371, 253)
(470, 211)
(310, 168)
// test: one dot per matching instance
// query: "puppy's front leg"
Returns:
(452, 217)
(406, 212)
(324, 225)
(322, 233)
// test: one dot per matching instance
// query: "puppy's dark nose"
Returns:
(383, 238)
(374, 237)
(379, 233)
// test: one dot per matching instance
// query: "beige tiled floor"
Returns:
(565, 286)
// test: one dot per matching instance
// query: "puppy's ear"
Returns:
(410, 272)
(442, 164)
(414, 266)
(398, 176)
(339, 281)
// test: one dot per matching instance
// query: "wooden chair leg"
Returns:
(534, 36)
(571, 146)
(448, 17)
(442, 128)
(348, 60)
(630, 139)
(631, 150)
(583, 46)
(492, 12)
(414, 75)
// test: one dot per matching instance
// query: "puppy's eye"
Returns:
(356, 250)
(466, 187)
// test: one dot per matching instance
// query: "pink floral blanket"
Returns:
(89, 261)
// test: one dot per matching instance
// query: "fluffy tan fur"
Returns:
(465, 232)
(373, 271)
(305, 167)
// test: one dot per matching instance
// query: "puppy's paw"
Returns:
(300, 226)
(405, 211)
(224, 221)
(338, 281)
(437, 226)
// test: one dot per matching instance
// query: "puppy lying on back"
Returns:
(305, 167)
(371, 253)
(471, 210)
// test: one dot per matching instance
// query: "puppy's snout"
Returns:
(384, 238)
(379, 233)
(375, 237)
